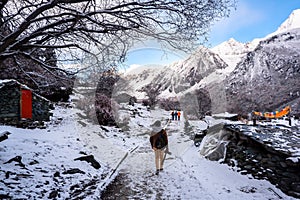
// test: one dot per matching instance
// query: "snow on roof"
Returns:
(3, 82)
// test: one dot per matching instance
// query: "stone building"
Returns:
(18, 103)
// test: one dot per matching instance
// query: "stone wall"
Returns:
(252, 157)
(9, 103)
(40, 108)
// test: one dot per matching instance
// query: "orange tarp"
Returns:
(276, 114)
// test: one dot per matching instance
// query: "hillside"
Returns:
(268, 77)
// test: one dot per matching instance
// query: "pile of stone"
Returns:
(266, 152)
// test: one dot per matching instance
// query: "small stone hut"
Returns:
(19, 102)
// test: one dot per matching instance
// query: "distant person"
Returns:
(159, 142)
(173, 115)
(178, 115)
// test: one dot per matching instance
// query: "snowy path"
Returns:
(186, 175)
(139, 171)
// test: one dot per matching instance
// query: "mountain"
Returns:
(177, 78)
(268, 77)
(140, 77)
(232, 51)
(260, 75)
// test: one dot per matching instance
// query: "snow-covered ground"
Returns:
(48, 155)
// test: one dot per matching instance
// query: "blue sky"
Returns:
(251, 19)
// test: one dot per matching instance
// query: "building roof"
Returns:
(4, 82)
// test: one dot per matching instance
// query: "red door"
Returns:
(26, 104)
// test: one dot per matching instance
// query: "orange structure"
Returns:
(275, 114)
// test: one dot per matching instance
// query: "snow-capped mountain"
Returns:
(140, 77)
(232, 51)
(178, 77)
(262, 74)
(268, 76)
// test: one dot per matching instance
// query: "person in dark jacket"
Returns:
(159, 142)
(173, 115)
(176, 114)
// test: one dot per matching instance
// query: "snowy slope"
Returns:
(47, 168)
(48, 153)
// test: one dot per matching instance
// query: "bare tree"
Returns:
(152, 92)
(104, 28)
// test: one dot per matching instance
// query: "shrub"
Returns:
(106, 110)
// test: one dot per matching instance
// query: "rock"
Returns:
(248, 189)
(259, 157)
(282, 164)
(296, 187)
(288, 174)
(90, 159)
(17, 159)
(5, 196)
(82, 123)
(4, 135)
(34, 162)
(103, 128)
(248, 167)
(74, 171)
(294, 194)
(53, 194)
(56, 174)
